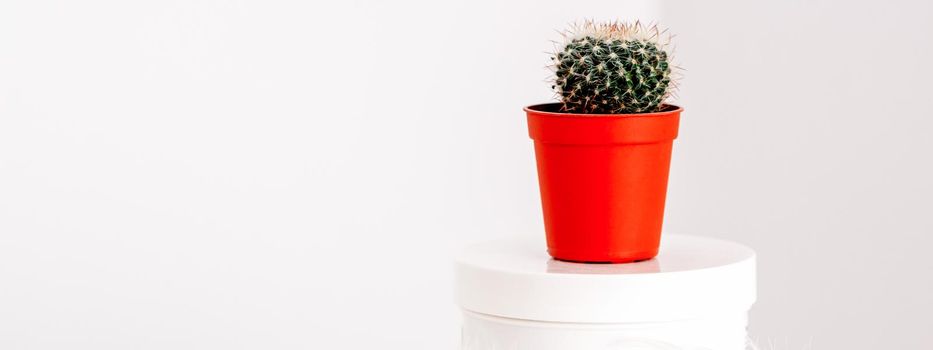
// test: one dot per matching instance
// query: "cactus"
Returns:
(613, 67)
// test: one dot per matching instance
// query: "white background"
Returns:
(272, 175)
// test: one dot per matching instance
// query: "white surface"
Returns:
(208, 174)
(692, 277)
(484, 332)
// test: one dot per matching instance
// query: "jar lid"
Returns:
(692, 277)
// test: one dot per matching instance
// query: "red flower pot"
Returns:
(603, 180)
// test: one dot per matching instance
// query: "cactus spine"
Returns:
(614, 67)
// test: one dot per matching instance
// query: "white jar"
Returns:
(694, 295)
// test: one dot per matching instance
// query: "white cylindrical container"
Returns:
(694, 295)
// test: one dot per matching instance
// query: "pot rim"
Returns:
(668, 109)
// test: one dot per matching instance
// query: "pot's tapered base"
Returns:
(612, 258)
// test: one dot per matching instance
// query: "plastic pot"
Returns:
(603, 181)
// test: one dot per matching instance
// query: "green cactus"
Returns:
(612, 67)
